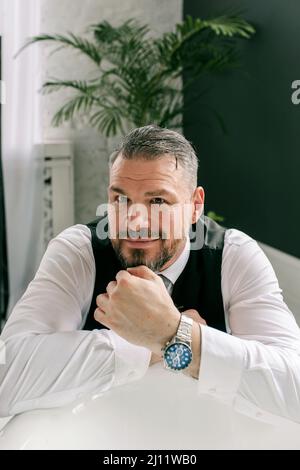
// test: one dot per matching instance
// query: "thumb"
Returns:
(142, 271)
(192, 313)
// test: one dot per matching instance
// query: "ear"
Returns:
(198, 203)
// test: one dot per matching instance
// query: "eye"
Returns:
(158, 201)
(121, 199)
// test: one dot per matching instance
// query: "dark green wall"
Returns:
(251, 176)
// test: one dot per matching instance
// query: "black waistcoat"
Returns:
(198, 286)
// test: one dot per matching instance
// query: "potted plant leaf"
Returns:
(137, 77)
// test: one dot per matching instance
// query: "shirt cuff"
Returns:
(131, 361)
(221, 365)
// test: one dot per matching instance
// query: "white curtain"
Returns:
(21, 131)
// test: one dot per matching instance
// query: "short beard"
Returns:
(138, 257)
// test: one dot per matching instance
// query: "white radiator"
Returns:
(58, 188)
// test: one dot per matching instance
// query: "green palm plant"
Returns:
(136, 75)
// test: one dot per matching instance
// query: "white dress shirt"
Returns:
(50, 361)
(173, 272)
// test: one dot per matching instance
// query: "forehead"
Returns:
(139, 170)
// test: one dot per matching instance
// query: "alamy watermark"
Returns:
(295, 97)
(164, 222)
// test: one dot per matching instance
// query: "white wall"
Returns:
(91, 149)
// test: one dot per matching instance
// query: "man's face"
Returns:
(151, 207)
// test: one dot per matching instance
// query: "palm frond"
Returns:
(107, 120)
(105, 33)
(137, 75)
(230, 26)
(169, 116)
(69, 40)
(78, 104)
(82, 86)
(174, 46)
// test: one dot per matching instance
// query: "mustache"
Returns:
(143, 233)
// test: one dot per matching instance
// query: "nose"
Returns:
(138, 220)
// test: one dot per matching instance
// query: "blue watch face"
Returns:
(178, 356)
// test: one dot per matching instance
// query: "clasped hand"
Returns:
(138, 307)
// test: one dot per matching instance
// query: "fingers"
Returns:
(122, 276)
(192, 313)
(100, 313)
(102, 302)
(111, 287)
(142, 271)
(138, 271)
(99, 316)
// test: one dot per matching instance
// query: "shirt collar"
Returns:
(173, 272)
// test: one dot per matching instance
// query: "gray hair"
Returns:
(151, 142)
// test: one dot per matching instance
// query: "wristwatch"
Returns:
(177, 353)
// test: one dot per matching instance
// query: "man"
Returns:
(167, 285)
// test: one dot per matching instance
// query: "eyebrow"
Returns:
(117, 190)
(157, 192)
